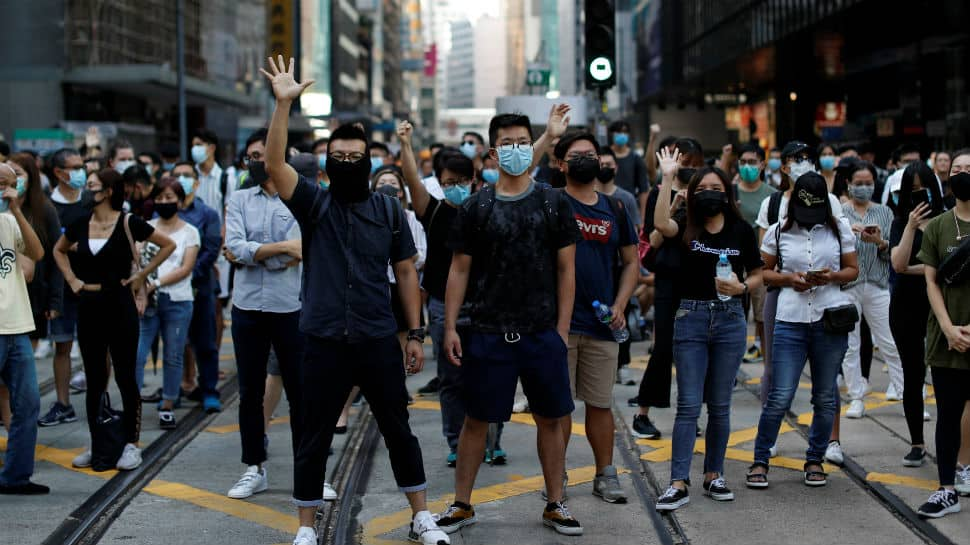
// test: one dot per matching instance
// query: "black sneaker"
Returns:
(915, 458)
(431, 387)
(456, 517)
(58, 414)
(633, 402)
(672, 499)
(26, 489)
(643, 428)
(557, 516)
(717, 489)
(166, 420)
(941, 503)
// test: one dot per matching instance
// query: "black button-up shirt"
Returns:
(346, 248)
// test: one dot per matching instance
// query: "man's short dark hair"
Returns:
(457, 163)
(619, 126)
(169, 149)
(570, 138)
(380, 146)
(4, 148)
(154, 157)
(847, 147)
(904, 149)
(959, 153)
(136, 174)
(348, 131)
(258, 136)
(195, 173)
(434, 145)
(59, 158)
(667, 142)
(442, 157)
(475, 135)
(207, 136)
(505, 121)
(606, 150)
(119, 145)
(751, 147)
(689, 146)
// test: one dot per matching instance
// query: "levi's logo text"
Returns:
(594, 229)
(697, 246)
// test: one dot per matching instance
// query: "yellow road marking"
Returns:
(264, 516)
(901, 480)
(230, 428)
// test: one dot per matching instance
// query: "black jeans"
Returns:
(330, 370)
(952, 387)
(202, 338)
(655, 385)
(107, 321)
(253, 333)
(909, 310)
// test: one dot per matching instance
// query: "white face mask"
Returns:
(122, 166)
(801, 167)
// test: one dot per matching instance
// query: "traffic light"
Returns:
(600, 44)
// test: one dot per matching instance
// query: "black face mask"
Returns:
(584, 169)
(709, 203)
(87, 199)
(388, 190)
(557, 178)
(348, 179)
(166, 210)
(685, 174)
(606, 175)
(257, 172)
(960, 186)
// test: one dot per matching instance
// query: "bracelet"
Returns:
(416, 335)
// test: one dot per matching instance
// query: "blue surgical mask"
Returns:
(188, 184)
(167, 167)
(749, 173)
(490, 175)
(200, 153)
(375, 164)
(862, 193)
(324, 184)
(322, 161)
(827, 162)
(515, 160)
(774, 164)
(621, 139)
(79, 177)
(457, 194)
(122, 166)
(21, 186)
(468, 150)
(4, 205)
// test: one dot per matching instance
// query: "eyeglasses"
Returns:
(514, 145)
(577, 155)
(254, 156)
(346, 157)
(749, 162)
(452, 182)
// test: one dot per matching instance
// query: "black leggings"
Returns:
(108, 322)
(655, 385)
(952, 387)
(909, 310)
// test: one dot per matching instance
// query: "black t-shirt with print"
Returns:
(699, 257)
(513, 281)
(112, 263)
(437, 220)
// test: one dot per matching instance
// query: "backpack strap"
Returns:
(224, 185)
(486, 202)
(393, 214)
(774, 207)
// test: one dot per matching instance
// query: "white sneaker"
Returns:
(329, 494)
(75, 351)
(253, 481)
(857, 409)
(130, 458)
(892, 394)
(962, 481)
(624, 377)
(79, 382)
(773, 451)
(82, 460)
(834, 453)
(926, 416)
(425, 530)
(521, 405)
(305, 536)
(43, 350)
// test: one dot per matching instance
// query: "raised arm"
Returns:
(555, 127)
(669, 163)
(650, 157)
(409, 166)
(286, 89)
(903, 251)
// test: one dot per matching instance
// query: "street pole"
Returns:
(180, 61)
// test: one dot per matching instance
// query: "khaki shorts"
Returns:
(592, 370)
(758, 303)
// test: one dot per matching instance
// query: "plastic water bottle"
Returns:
(723, 271)
(605, 315)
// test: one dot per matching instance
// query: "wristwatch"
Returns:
(416, 335)
(745, 291)
(157, 283)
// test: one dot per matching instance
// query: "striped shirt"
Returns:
(873, 263)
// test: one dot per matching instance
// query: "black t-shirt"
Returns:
(699, 257)
(669, 254)
(631, 173)
(437, 220)
(112, 263)
(513, 280)
(915, 282)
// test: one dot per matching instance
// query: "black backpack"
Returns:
(774, 207)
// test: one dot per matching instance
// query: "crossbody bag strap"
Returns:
(131, 243)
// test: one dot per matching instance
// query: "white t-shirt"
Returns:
(762, 220)
(15, 313)
(185, 238)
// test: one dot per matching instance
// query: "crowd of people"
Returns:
(531, 262)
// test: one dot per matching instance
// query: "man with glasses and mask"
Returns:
(520, 284)
(350, 235)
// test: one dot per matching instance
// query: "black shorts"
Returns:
(492, 364)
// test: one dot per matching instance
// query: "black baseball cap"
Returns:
(793, 148)
(306, 165)
(809, 200)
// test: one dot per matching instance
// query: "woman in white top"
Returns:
(171, 296)
(814, 253)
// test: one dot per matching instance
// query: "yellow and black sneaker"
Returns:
(456, 517)
(558, 517)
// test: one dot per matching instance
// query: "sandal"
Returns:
(756, 480)
(815, 477)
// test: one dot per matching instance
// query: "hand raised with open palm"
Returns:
(285, 86)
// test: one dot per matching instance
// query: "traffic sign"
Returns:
(601, 69)
(537, 76)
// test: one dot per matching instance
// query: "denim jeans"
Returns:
(172, 318)
(709, 342)
(19, 374)
(202, 336)
(794, 343)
